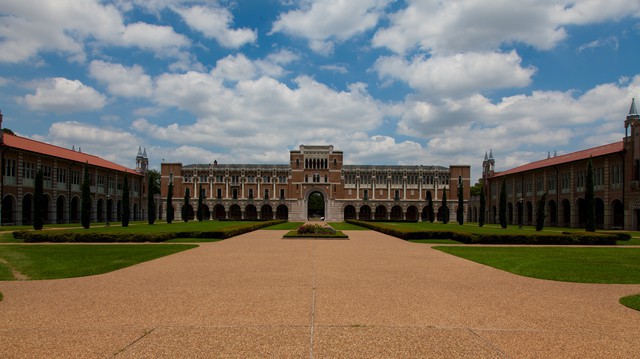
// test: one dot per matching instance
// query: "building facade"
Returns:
(63, 171)
(616, 174)
(314, 174)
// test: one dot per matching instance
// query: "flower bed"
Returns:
(316, 231)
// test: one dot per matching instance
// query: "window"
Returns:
(75, 176)
(580, 179)
(551, 184)
(266, 194)
(282, 193)
(251, 179)
(396, 195)
(29, 170)
(9, 168)
(540, 184)
(266, 179)
(219, 193)
(616, 176)
(598, 178)
(565, 180)
(365, 194)
(235, 193)
(46, 173)
(250, 193)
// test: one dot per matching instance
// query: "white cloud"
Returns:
(215, 22)
(611, 41)
(450, 27)
(335, 68)
(324, 22)
(457, 75)
(62, 95)
(29, 27)
(95, 140)
(122, 81)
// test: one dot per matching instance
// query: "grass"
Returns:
(434, 241)
(65, 261)
(344, 226)
(582, 265)
(632, 301)
(285, 226)
(194, 240)
(166, 227)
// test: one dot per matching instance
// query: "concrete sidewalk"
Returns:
(258, 296)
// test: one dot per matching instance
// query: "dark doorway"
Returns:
(315, 205)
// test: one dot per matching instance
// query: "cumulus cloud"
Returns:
(457, 75)
(62, 95)
(122, 81)
(29, 27)
(325, 22)
(215, 22)
(447, 27)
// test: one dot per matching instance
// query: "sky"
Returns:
(387, 82)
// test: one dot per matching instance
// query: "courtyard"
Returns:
(256, 295)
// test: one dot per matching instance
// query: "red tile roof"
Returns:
(569, 157)
(30, 145)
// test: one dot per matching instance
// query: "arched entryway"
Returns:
(219, 212)
(8, 206)
(599, 207)
(618, 214)
(396, 213)
(365, 213)
(553, 213)
(381, 213)
(60, 212)
(27, 208)
(235, 212)
(74, 210)
(100, 210)
(349, 212)
(412, 213)
(282, 212)
(566, 213)
(510, 213)
(582, 212)
(250, 212)
(315, 205)
(266, 212)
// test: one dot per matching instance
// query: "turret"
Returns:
(142, 161)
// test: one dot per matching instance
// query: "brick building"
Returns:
(63, 171)
(616, 174)
(265, 191)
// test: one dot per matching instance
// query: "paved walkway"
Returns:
(257, 295)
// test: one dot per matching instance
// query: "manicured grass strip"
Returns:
(295, 234)
(285, 226)
(344, 226)
(65, 261)
(194, 240)
(631, 242)
(632, 301)
(582, 265)
(434, 241)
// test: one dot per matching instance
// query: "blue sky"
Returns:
(388, 82)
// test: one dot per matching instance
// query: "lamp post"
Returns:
(520, 209)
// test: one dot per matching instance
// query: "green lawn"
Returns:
(65, 261)
(632, 301)
(166, 227)
(285, 226)
(568, 264)
(344, 226)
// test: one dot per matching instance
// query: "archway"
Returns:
(529, 213)
(109, 209)
(396, 213)
(187, 212)
(566, 213)
(381, 213)
(27, 208)
(46, 205)
(266, 212)
(8, 205)
(582, 212)
(412, 213)
(250, 212)
(60, 212)
(99, 210)
(74, 210)
(599, 207)
(315, 205)
(235, 213)
(618, 214)
(282, 212)
(219, 212)
(365, 213)
(206, 213)
(349, 212)
(553, 213)
(510, 213)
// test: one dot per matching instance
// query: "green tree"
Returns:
(460, 211)
(503, 205)
(200, 213)
(170, 203)
(126, 205)
(476, 188)
(38, 202)
(431, 215)
(185, 207)
(540, 215)
(483, 207)
(589, 197)
(151, 204)
(316, 205)
(85, 207)
(444, 208)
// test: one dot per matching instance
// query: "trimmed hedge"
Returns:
(96, 237)
(565, 238)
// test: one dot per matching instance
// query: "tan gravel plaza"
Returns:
(257, 296)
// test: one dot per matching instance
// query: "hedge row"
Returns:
(94, 237)
(565, 238)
